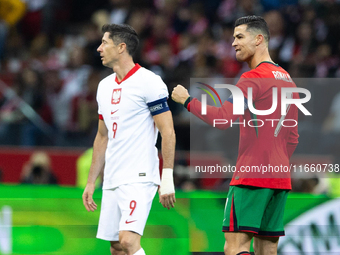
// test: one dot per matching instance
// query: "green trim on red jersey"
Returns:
(268, 62)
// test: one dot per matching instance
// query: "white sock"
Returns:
(140, 252)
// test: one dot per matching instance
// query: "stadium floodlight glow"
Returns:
(239, 104)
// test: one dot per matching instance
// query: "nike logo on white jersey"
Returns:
(112, 112)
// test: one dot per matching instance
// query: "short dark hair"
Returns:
(255, 23)
(123, 34)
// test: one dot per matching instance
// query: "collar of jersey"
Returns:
(129, 74)
(268, 62)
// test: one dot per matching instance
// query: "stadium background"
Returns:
(49, 72)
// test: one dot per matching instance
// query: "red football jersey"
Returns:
(266, 141)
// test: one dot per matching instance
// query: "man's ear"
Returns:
(259, 39)
(121, 48)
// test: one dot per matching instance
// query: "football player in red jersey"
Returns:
(255, 202)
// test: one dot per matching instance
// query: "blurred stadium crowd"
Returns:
(50, 69)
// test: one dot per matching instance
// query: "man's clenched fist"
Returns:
(180, 94)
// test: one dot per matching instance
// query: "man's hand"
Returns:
(88, 202)
(180, 94)
(167, 189)
(167, 200)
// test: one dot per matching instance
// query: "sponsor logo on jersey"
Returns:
(128, 222)
(282, 76)
(116, 95)
(112, 112)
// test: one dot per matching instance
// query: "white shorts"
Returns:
(126, 207)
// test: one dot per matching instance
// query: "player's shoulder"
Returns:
(264, 70)
(250, 74)
(153, 86)
(150, 79)
(108, 79)
(147, 74)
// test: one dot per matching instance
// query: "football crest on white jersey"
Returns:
(116, 94)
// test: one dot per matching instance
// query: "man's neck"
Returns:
(122, 68)
(258, 58)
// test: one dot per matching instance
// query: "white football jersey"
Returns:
(126, 106)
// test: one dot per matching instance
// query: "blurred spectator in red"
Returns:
(32, 21)
(38, 170)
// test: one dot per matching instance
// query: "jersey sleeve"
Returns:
(249, 81)
(292, 140)
(222, 117)
(98, 102)
(218, 117)
(156, 95)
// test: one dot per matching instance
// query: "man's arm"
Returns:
(292, 143)
(225, 112)
(293, 140)
(165, 126)
(97, 165)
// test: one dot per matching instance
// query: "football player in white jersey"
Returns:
(132, 107)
